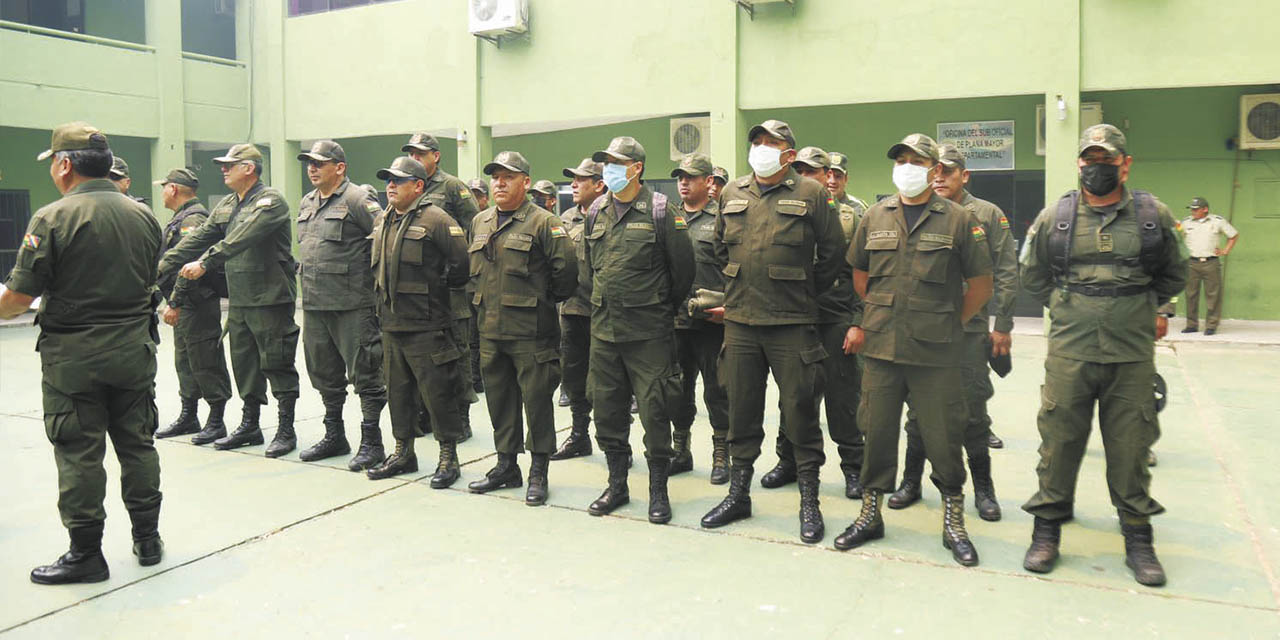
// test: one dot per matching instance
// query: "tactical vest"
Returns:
(1149, 232)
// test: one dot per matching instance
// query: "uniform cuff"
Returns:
(24, 282)
(1004, 324)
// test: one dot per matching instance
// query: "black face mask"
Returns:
(1100, 179)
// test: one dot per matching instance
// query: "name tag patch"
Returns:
(733, 202)
(940, 238)
(795, 203)
(890, 233)
(645, 226)
(457, 231)
(521, 236)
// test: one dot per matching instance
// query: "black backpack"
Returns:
(1149, 231)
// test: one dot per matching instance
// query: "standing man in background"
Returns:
(838, 181)
(1201, 230)
(545, 195)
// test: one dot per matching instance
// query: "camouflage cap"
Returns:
(403, 167)
(119, 168)
(813, 157)
(184, 177)
(588, 168)
(324, 151)
(477, 184)
(1198, 203)
(775, 128)
(839, 161)
(240, 153)
(694, 164)
(1103, 136)
(949, 155)
(509, 160)
(621, 148)
(74, 136)
(545, 187)
(421, 141)
(917, 142)
(721, 174)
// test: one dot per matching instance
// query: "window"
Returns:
(63, 15)
(304, 7)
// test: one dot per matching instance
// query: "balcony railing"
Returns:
(69, 35)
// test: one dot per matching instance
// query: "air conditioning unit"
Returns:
(1260, 121)
(690, 135)
(491, 19)
(1090, 114)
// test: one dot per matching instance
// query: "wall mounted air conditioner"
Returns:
(690, 135)
(1260, 121)
(494, 19)
(1090, 114)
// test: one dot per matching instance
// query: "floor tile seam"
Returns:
(1210, 423)
(38, 418)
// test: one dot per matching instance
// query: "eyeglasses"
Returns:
(317, 163)
(395, 180)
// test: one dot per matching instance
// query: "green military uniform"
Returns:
(575, 325)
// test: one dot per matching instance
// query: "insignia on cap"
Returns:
(1099, 135)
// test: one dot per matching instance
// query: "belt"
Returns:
(1204, 259)
(1106, 291)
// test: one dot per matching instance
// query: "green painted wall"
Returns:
(115, 19)
(19, 169)
(549, 153)
(366, 155)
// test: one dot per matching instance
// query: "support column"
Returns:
(477, 150)
(285, 175)
(1062, 136)
(168, 149)
(728, 126)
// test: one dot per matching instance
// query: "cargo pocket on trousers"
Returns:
(812, 358)
(548, 361)
(60, 421)
(282, 350)
(446, 354)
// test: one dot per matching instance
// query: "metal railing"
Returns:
(226, 62)
(71, 35)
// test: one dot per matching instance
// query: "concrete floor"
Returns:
(282, 548)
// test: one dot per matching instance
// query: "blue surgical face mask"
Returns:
(615, 177)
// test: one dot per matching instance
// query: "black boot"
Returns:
(82, 563)
(719, 459)
(852, 484)
(334, 442)
(735, 506)
(659, 501)
(370, 453)
(908, 492)
(869, 525)
(214, 427)
(536, 494)
(617, 493)
(504, 475)
(954, 537)
(781, 475)
(146, 536)
(186, 422)
(447, 469)
(248, 433)
(1140, 554)
(994, 441)
(1152, 460)
(285, 439)
(1043, 552)
(984, 490)
(564, 398)
(464, 412)
(578, 443)
(811, 527)
(402, 460)
(683, 459)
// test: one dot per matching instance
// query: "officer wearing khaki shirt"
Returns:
(419, 254)
(1201, 231)
(779, 241)
(923, 269)
(522, 264)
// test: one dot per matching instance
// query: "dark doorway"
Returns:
(1020, 194)
(15, 211)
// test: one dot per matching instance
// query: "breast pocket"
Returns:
(883, 253)
(515, 256)
(331, 226)
(640, 246)
(735, 223)
(931, 261)
(790, 225)
(411, 247)
(477, 257)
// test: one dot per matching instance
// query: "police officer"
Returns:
(340, 336)
(480, 190)
(248, 232)
(1201, 230)
(980, 343)
(419, 255)
(91, 258)
(638, 265)
(719, 178)
(198, 357)
(1102, 260)
(522, 263)
(838, 309)
(119, 175)
(922, 267)
(779, 241)
(575, 315)
(545, 194)
(838, 181)
(698, 339)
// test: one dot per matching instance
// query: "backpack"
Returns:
(1149, 231)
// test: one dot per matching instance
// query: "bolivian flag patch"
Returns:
(31, 241)
(680, 222)
(465, 193)
(1004, 222)
(978, 233)
(557, 232)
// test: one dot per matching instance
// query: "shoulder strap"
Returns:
(1060, 235)
(659, 205)
(1149, 231)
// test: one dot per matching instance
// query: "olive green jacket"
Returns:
(334, 249)
(417, 257)
(707, 273)
(840, 303)
(520, 270)
(579, 304)
(1004, 266)
(452, 194)
(189, 217)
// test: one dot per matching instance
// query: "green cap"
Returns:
(74, 136)
(721, 174)
(183, 176)
(1198, 203)
(1103, 136)
(477, 184)
(119, 168)
(509, 160)
(421, 141)
(324, 151)
(775, 128)
(621, 148)
(917, 142)
(240, 153)
(588, 168)
(814, 157)
(694, 164)
(404, 167)
(839, 161)
(949, 155)
(545, 187)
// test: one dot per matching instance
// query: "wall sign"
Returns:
(987, 146)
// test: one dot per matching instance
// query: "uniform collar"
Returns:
(93, 184)
(253, 191)
(187, 205)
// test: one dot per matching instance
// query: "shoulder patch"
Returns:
(464, 193)
(978, 233)
(680, 222)
(264, 202)
(31, 241)
(456, 231)
(372, 207)
(557, 232)
(1004, 222)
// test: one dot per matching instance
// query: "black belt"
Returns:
(1204, 259)
(1107, 291)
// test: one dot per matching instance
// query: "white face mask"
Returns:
(765, 161)
(911, 179)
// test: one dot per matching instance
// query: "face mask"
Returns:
(1100, 179)
(765, 161)
(615, 177)
(911, 179)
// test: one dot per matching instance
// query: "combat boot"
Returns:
(402, 460)
(908, 492)
(578, 443)
(617, 493)
(659, 501)
(214, 427)
(869, 525)
(504, 475)
(334, 442)
(536, 494)
(984, 490)
(735, 506)
(1140, 554)
(994, 441)
(719, 459)
(147, 544)
(285, 439)
(464, 412)
(683, 460)
(811, 526)
(852, 483)
(248, 433)
(954, 537)
(186, 422)
(781, 475)
(1043, 552)
(370, 453)
(83, 562)
(447, 469)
